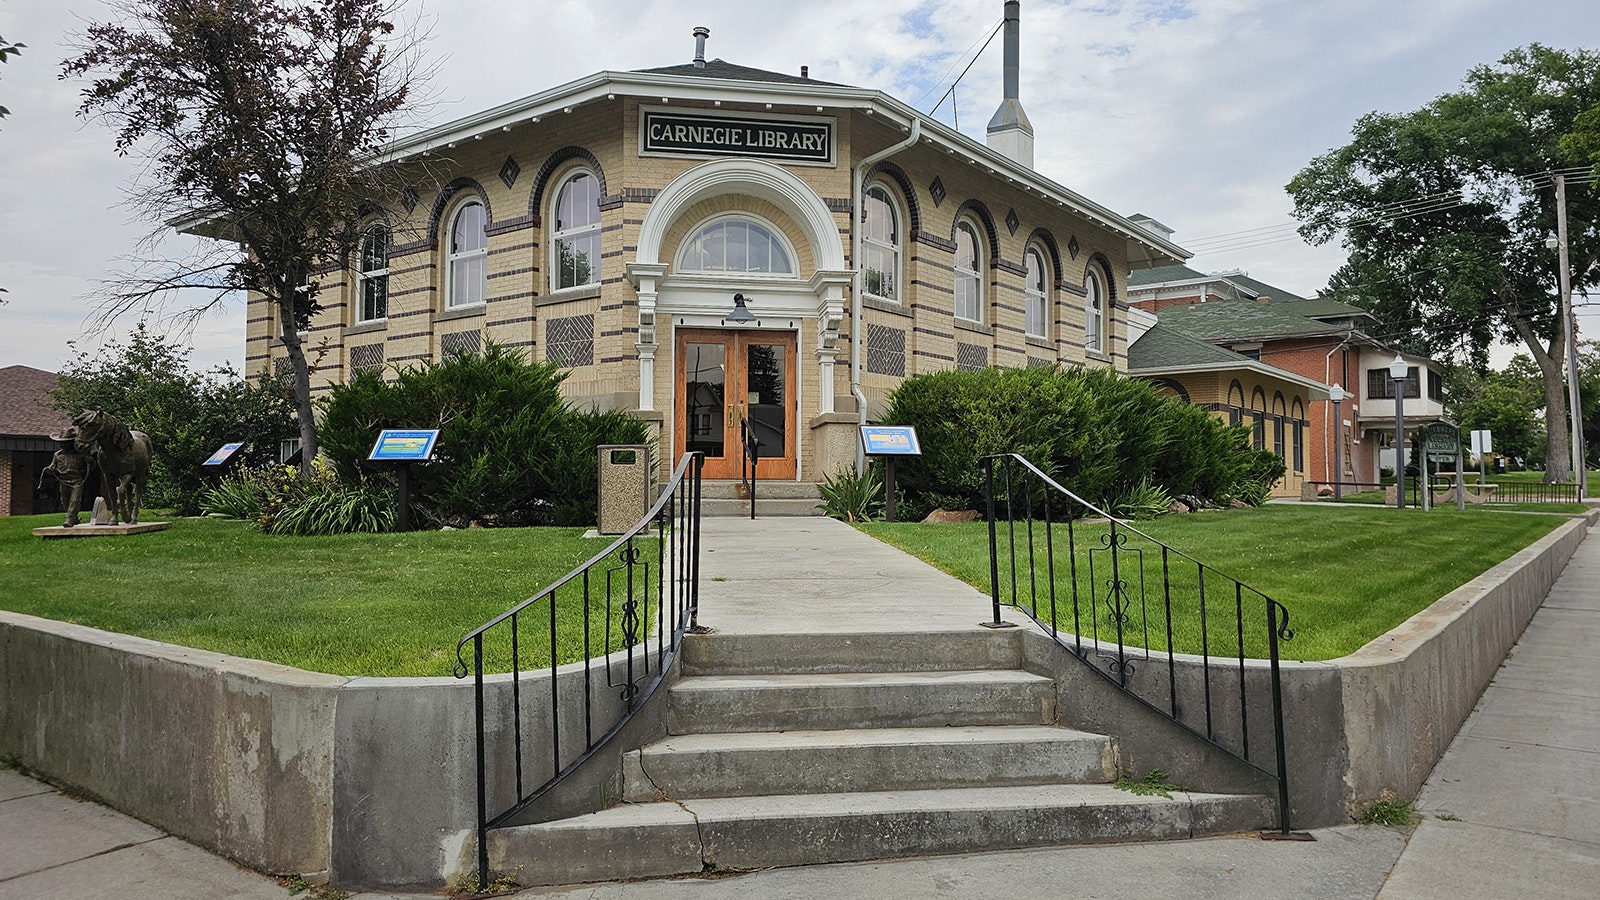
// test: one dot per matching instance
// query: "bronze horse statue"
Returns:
(123, 456)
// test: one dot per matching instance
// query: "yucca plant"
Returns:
(851, 496)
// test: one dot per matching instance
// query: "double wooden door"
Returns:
(728, 378)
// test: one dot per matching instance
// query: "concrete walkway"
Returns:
(1518, 790)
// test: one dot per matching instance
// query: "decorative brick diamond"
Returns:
(1012, 222)
(570, 341)
(509, 172)
(459, 343)
(937, 190)
(1072, 247)
(409, 199)
(886, 350)
(971, 357)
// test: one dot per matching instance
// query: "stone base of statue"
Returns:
(92, 530)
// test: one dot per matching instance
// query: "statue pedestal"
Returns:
(61, 531)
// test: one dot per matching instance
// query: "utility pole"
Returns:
(1569, 326)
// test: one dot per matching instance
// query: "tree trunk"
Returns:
(302, 385)
(1557, 459)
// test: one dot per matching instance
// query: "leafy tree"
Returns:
(147, 383)
(1507, 403)
(1445, 210)
(257, 117)
(8, 50)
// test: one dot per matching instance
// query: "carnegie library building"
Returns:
(707, 244)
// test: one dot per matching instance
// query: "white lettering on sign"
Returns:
(704, 135)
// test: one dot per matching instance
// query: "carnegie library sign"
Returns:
(797, 139)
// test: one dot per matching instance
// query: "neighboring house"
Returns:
(607, 225)
(27, 420)
(1236, 387)
(1325, 341)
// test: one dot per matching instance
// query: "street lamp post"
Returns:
(1397, 374)
(1336, 394)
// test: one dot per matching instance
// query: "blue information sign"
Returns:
(890, 440)
(397, 445)
(223, 454)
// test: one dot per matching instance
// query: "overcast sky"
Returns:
(1196, 113)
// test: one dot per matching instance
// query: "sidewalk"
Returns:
(1519, 788)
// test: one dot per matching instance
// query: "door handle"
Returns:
(730, 415)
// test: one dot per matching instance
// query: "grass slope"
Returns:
(1347, 574)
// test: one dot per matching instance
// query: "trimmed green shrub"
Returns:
(511, 450)
(1102, 436)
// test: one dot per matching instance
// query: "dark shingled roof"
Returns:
(717, 68)
(1161, 275)
(25, 409)
(1162, 347)
(1243, 320)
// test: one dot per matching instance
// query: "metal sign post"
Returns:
(889, 441)
(404, 447)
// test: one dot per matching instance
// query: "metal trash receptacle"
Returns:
(625, 486)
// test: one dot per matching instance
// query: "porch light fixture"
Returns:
(1397, 374)
(740, 313)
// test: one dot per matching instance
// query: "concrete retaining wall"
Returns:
(1376, 720)
(372, 780)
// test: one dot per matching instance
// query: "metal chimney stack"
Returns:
(700, 35)
(1010, 132)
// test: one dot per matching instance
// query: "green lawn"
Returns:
(347, 605)
(1347, 573)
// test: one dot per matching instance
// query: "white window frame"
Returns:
(1036, 294)
(974, 275)
(893, 247)
(366, 278)
(455, 259)
(1094, 310)
(680, 263)
(561, 236)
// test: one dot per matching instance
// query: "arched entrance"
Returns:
(749, 228)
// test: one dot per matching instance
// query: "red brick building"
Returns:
(26, 421)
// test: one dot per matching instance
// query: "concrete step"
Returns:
(765, 490)
(818, 653)
(866, 759)
(723, 703)
(765, 507)
(670, 838)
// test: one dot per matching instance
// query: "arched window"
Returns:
(372, 275)
(1035, 294)
(736, 244)
(466, 268)
(576, 239)
(1094, 311)
(968, 283)
(880, 245)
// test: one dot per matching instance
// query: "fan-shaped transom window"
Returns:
(736, 245)
(577, 232)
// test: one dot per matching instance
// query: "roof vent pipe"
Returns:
(700, 35)
(805, 71)
(1010, 132)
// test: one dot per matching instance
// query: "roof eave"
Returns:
(1143, 249)
(1316, 389)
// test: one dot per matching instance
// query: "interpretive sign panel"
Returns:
(890, 440)
(1441, 441)
(397, 445)
(223, 454)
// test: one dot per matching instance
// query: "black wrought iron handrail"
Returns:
(641, 591)
(1130, 623)
(750, 445)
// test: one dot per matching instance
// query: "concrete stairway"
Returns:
(773, 498)
(799, 749)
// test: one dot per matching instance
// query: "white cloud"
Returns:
(1194, 112)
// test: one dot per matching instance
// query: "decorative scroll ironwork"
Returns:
(651, 589)
(1124, 614)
